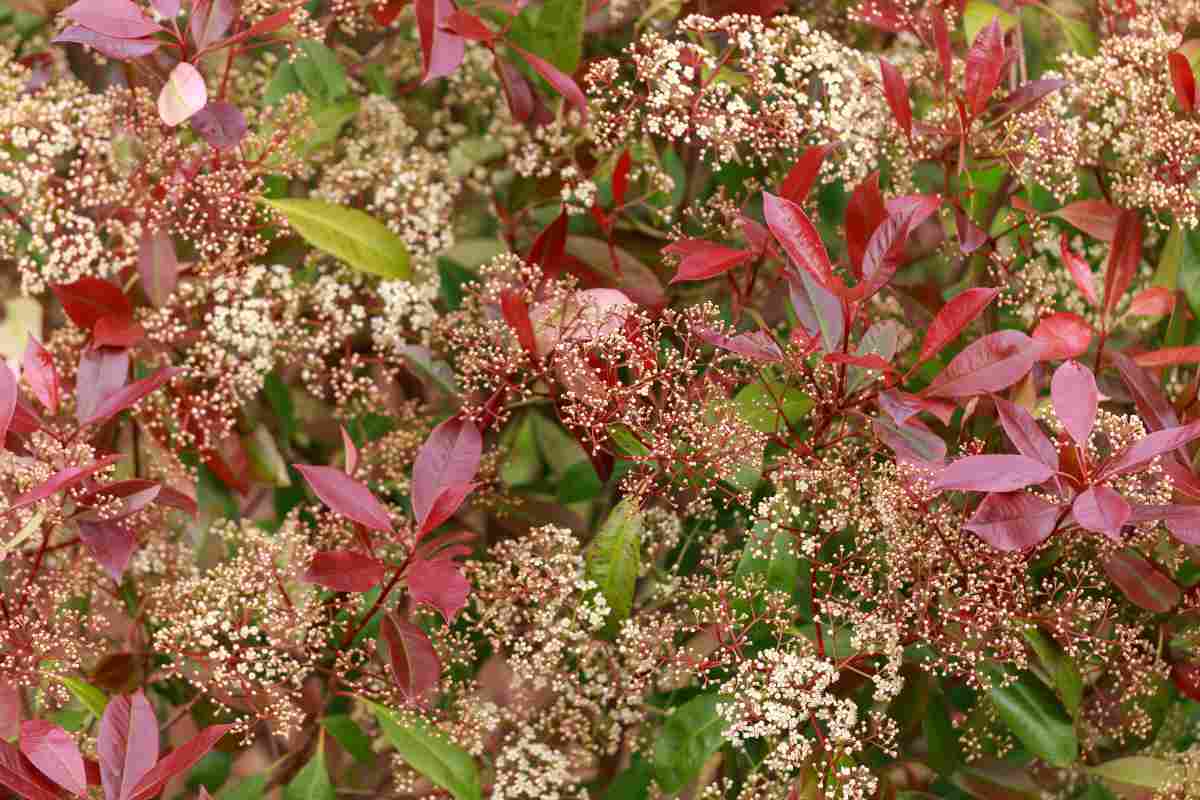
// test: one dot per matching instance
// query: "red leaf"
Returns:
(941, 43)
(444, 506)
(469, 26)
(881, 259)
(1096, 218)
(130, 395)
(1182, 520)
(971, 237)
(1142, 582)
(351, 452)
(109, 46)
(178, 761)
(60, 480)
(803, 174)
(1063, 335)
(1123, 259)
(1151, 446)
(55, 754)
(1025, 434)
(864, 213)
(912, 442)
(1013, 521)
(563, 84)
(1080, 271)
(127, 745)
(121, 19)
(223, 126)
(111, 544)
(8, 398)
(913, 209)
(993, 473)
(18, 776)
(757, 345)
(101, 374)
(267, 25)
(1157, 301)
(703, 260)
(1028, 95)
(516, 314)
(410, 656)
(549, 246)
(868, 361)
(346, 496)
(345, 570)
(1147, 394)
(985, 66)
(88, 299)
(117, 330)
(1076, 399)
(385, 11)
(450, 456)
(441, 50)
(819, 310)
(1102, 510)
(1184, 81)
(1168, 357)
(896, 91)
(439, 583)
(516, 90)
(157, 265)
(960, 312)
(620, 179)
(989, 364)
(210, 21)
(799, 238)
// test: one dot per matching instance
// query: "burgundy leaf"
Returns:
(88, 299)
(971, 237)
(11, 700)
(1063, 335)
(1080, 271)
(121, 19)
(449, 456)
(410, 656)
(985, 66)
(110, 543)
(118, 500)
(108, 46)
(351, 452)
(1076, 399)
(797, 235)
(941, 42)
(24, 420)
(913, 209)
(563, 84)
(1142, 582)
(178, 761)
(703, 260)
(1152, 446)
(1147, 394)
(117, 330)
(516, 90)
(1096, 218)
(60, 480)
(129, 396)
(865, 212)
(1029, 94)
(221, 124)
(346, 496)
(1013, 521)
(127, 745)
(18, 776)
(960, 312)
(441, 50)
(819, 310)
(1168, 357)
(993, 473)
(345, 570)
(55, 754)
(549, 246)
(210, 21)
(173, 498)
(1102, 510)
(896, 91)
(157, 265)
(1025, 434)
(469, 26)
(757, 345)
(989, 364)
(516, 314)
(803, 174)
(881, 259)
(1182, 520)
(439, 583)
(1157, 301)
(447, 502)
(264, 26)
(912, 442)
(8, 398)
(1183, 79)
(1123, 259)
(900, 406)
(620, 178)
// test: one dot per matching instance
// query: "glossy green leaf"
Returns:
(552, 30)
(627, 443)
(771, 555)
(211, 771)
(93, 699)
(978, 15)
(1143, 771)
(1060, 667)
(614, 559)
(688, 738)
(353, 236)
(320, 72)
(429, 753)
(328, 119)
(252, 788)
(312, 782)
(579, 483)
(632, 783)
(1036, 717)
(770, 407)
(1079, 35)
(349, 735)
(945, 752)
(523, 464)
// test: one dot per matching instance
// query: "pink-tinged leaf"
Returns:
(182, 95)
(993, 473)
(166, 8)
(703, 260)
(563, 84)
(960, 312)
(11, 701)
(941, 43)
(988, 364)
(1102, 510)
(1151, 446)
(971, 237)
(1063, 335)
(127, 745)
(19, 776)
(102, 373)
(129, 396)
(351, 451)
(178, 761)
(1080, 271)
(803, 174)
(1123, 259)
(410, 657)
(1025, 434)
(346, 496)
(441, 50)
(797, 235)
(913, 209)
(1028, 95)
(221, 124)
(173, 498)
(111, 544)
(819, 310)
(881, 259)
(1157, 301)
(868, 361)
(757, 345)
(121, 19)
(108, 46)
(1012, 521)
(448, 457)
(1182, 520)
(1183, 79)
(1168, 357)
(1147, 393)
(438, 583)
(1076, 399)
(620, 178)
(158, 266)
(865, 212)
(469, 27)
(55, 754)
(900, 406)
(119, 500)
(895, 89)
(516, 313)
(117, 330)
(985, 66)
(24, 420)
(210, 21)
(265, 26)
(1096, 218)
(447, 502)
(63, 479)
(345, 570)
(1143, 583)
(912, 442)
(8, 398)
(517, 90)
(88, 299)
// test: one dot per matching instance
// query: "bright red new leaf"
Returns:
(895, 89)
(1183, 79)
(960, 312)
(55, 754)
(346, 496)
(438, 583)
(987, 365)
(985, 66)
(563, 84)
(1157, 301)
(449, 457)
(1063, 335)
(442, 50)
(1096, 218)
(803, 174)
(703, 259)
(410, 656)
(795, 232)
(447, 502)
(345, 570)
(865, 212)
(88, 299)
(1080, 271)
(1123, 259)
(178, 761)
(127, 745)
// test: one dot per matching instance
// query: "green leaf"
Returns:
(632, 783)
(614, 559)
(320, 72)
(771, 555)
(1060, 667)
(279, 396)
(978, 15)
(688, 738)
(626, 441)
(1079, 35)
(312, 782)
(770, 406)
(579, 483)
(93, 699)
(211, 771)
(329, 119)
(252, 788)
(945, 753)
(1143, 771)
(1189, 269)
(523, 465)
(283, 82)
(349, 735)
(1035, 716)
(1169, 260)
(353, 236)
(452, 278)
(553, 30)
(428, 752)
